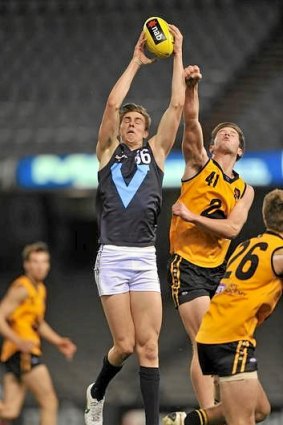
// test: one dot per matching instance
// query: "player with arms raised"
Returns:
(211, 210)
(128, 202)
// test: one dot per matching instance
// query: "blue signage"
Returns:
(79, 171)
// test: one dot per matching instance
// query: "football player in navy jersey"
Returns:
(128, 203)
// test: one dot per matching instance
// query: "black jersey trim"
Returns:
(226, 178)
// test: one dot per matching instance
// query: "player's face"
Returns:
(37, 266)
(227, 141)
(132, 129)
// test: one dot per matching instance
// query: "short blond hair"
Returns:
(272, 210)
(132, 107)
(34, 247)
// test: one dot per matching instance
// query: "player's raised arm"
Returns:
(109, 128)
(164, 139)
(192, 145)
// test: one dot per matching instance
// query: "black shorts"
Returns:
(189, 281)
(20, 363)
(227, 359)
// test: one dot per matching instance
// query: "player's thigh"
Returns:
(14, 393)
(238, 399)
(192, 313)
(117, 310)
(146, 307)
(38, 381)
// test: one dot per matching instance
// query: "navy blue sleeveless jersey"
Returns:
(129, 197)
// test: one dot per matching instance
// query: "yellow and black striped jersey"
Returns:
(247, 294)
(212, 194)
(26, 317)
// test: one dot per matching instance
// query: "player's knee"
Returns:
(49, 401)
(10, 416)
(125, 348)
(10, 413)
(262, 413)
(54, 402)
(148, 351)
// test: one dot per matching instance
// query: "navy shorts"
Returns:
(189, 281)
(227, 359)
(20, 363)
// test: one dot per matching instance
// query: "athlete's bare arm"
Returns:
(227, 228)
(109, 128)
(14, 297)
(192, 145)
(65, 345)
(278, 262)
(164, 139)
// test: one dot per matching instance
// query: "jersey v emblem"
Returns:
(127, 192)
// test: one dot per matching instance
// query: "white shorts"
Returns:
(120, 269)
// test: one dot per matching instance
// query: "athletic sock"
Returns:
(196, 417)
(106, 374)
(149, 384)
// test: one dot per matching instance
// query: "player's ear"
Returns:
(145, 134)
(239, 153)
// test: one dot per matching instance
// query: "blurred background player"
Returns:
(219, 202)
(22, 325)
(246, 297)
(129, 201)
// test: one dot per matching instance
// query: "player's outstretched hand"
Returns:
(192, 75)
(139, 55)
(67, 347)
(178, 38)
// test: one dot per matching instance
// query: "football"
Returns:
(159, 40)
